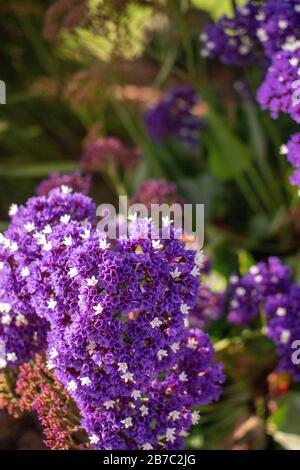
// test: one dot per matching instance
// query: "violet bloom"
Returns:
(249, 292)
(106, 152)
(75, 181)
(279, 92)
(233, 40)
(209, 307)
(292, 150)
(118, 342)
(283, 312)
(173, 118)
(26, 240)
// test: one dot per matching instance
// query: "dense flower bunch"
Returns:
(118, 340)
(292, 150)
(75, 181)
(105, 152)
(247, 293)
(278, 93)
(22, 333)
(173, 118)
(156, 192)
(256, 25)
(283, 312)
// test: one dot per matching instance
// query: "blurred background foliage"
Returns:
(97, 79)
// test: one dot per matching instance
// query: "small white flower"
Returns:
(195, 271)
(262, 35)
(128, 376)
(103, 244)
(11, 357)
(47, 246)
(175, 347)
(281, 312)
(155, 323)
(14, 247)
(283, 24)
(122, 367)
(51, 304)
(144, 410)
(47, 230)
(6, 319)
(241, 291)
(25, 272)
(66, 189)
(50, 365)
(13, 210)
(147, 446)
(294, 62)
(174, 415)
(136, 394)
(72, 272)
(53, 353)
(92, 281)
(183, 377)
(21, 320)
(127, 422)
(253, 270)
(98, 309)
(85, 381)
(91, 347)
(3, 363)
(195, 417)
(86, 234)
(162, 353)
(283, 149)
(65, 219)
(68, 241)
(29, 227)
(234, 304)
(285, 336)
(156, 245)
(176, 273)
(94, 439)
(5, 307)
(183, 433)
(170, 435)
(1, 265)
(184, 308)
(72, 386)
(109, 404)
(259, 278)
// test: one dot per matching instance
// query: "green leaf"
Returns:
(36, 170)
(216, 8)
(284, 424)
(228, 156)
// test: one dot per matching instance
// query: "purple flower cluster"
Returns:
(280, 90)
(118, 341)
(292, 150)
(75, 181)
(173, 118)
(247, 293)
(22, 333)
(283, 312)
(233, 40)
(256, 25)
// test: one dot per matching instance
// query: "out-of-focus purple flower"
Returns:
(75, 181)
(26, 240)
(280, 91)
(249, 292)
(156, 192)
(105, 152)
(292, 150)
(209, 307)
(173, 118)
(233, 39)
(118, 341)
(283, 312)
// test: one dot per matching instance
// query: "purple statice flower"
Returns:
(278, 22)
(26, 240)
(292, 150)
(173, 118)
(233, 40)
(209, 307)
(246, 294)
(118, 342)
(283, 313)
(75, 181)
(156, 192)
(280, 90)
(104, 153)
